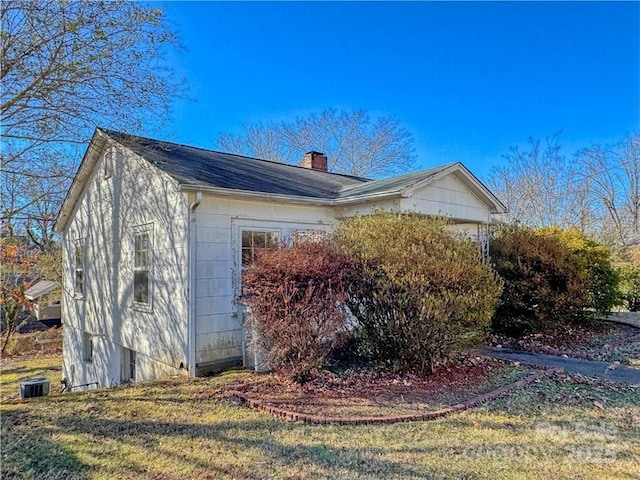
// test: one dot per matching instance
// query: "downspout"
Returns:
(192, 283)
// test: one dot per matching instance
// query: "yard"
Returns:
(558, 427)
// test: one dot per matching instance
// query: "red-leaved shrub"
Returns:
(295, 294)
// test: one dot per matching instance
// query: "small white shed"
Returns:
(45, 300)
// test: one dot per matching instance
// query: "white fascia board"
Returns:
(247, 194)
(84, 173)
(366, 198)
(227, 192)
(469, 179)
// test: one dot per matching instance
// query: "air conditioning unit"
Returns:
(34, 387)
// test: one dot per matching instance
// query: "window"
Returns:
(253, 242)
(128, 373)
(87, 347)
(109, 158)
(247, 241)
(79, 268)
(142, 266)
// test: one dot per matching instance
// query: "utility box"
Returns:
(34, 387)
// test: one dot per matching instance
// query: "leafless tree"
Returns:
(613, 173)
(67, 67)
(353, 143)
(540, 187)
(597, 191)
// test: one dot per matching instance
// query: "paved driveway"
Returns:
(628, 318)
(608, 371)
(611, 372)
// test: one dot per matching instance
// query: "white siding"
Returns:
(106, 216)
(468, 229)
(448, 196)
(369, 208)
(220, 220)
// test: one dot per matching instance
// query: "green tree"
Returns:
(630, 287)
(594, 260)
(551, 276)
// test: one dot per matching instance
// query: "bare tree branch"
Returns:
(533, 186)
(68, 67)
(614, 173)
(353, 143)
(597, 192)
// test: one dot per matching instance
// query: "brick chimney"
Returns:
(315, 161)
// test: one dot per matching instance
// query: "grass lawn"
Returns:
(15, 369)
(561, 427)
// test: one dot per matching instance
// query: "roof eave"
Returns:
(32, 293)
(247, 194)
(494, 203)
(328, 202)
(355, 199)
(409, 190)
(80, 179)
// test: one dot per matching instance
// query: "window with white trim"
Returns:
(247, 240)
(142, 253)
(254, 241)
(249, 236)
(79, 268)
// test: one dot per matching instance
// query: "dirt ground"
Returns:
(591, 341)
(374, 392)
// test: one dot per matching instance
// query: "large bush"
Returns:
(550, 277)
(594, 259)
(417, 290)
(630, 287)
(296, 294)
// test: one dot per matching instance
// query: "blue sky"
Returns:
(467, 79)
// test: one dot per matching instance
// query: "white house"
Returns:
(156, 235)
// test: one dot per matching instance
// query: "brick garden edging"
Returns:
(292, 416)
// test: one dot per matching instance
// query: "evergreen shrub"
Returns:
(418, 291)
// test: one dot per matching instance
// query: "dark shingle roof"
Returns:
(208, 168)
(392, 184)
(201, 168)
(197, 168)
